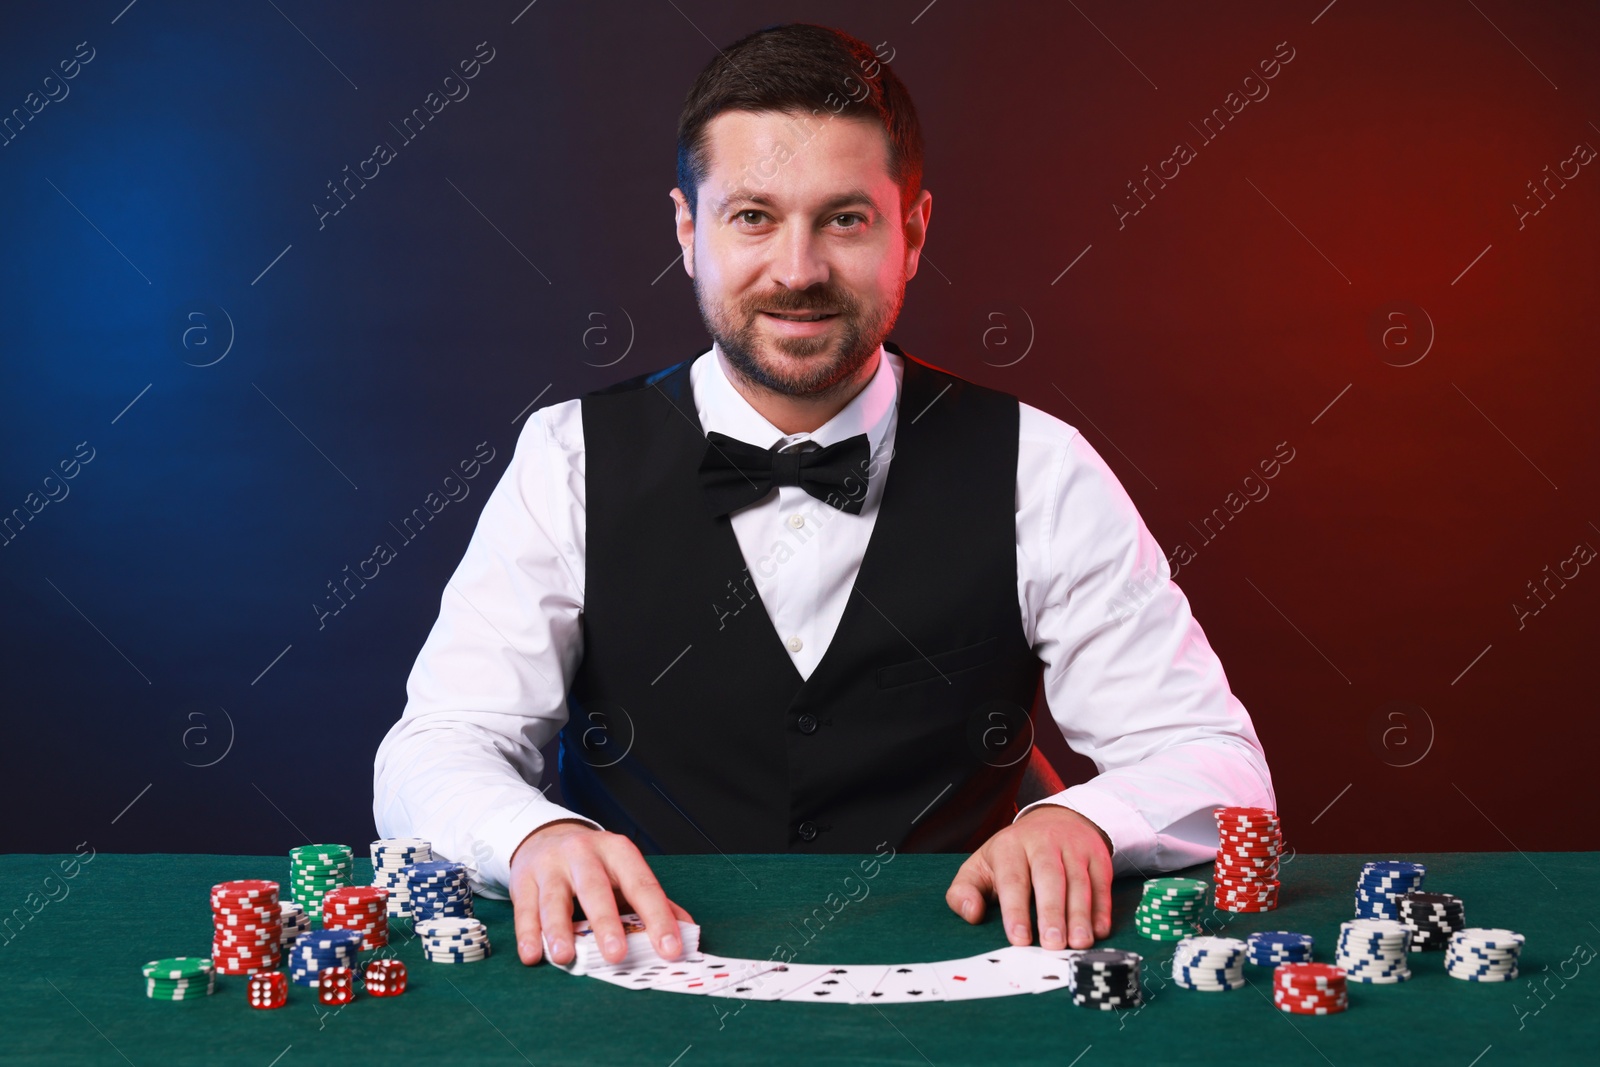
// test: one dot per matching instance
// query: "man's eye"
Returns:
(751, 211)
(850, 216)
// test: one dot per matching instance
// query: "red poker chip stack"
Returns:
(364, 908)
(1309, 988)
(246, 927)
(1249, 843)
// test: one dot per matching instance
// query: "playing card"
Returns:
(994, 974)
(907, 983)
(711, 973)
(649, 973)
(782, 979)
(1040, 970)
(840, 985)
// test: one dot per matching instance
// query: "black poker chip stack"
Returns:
(1107, 979)
(1433, 918)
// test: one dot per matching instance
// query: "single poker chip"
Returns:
(177, 967)
(1106, 959)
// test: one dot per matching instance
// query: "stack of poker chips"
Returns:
(362, 908)
(1374, 951)
(1170, 908)
(1108, 979)
(390, 858)
(453, 940)
(1270, 948)
(179, 978)
(438, 889)
(586, 955)
(295, 922)
(246, 927)
(1381, 883)
(1483, 955)
(1432, 917)
(315, 952)
(1212, 964)
(1249, 844)
(1309, 989)
(315, 869)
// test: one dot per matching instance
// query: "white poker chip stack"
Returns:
(295, 922)
(453, 940)
(1374, 951)
(390, 857)
(1479, 954)
(587, 957)
(1212, 964)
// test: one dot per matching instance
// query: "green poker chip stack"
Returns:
(1170, 909)
(179, 978)
(316, 869)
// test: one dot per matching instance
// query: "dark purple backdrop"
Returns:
(1348, 263)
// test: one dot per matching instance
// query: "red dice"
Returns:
(385, 978)
(269, 989)
(335, 986)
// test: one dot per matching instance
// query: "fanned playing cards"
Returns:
(1008, 971)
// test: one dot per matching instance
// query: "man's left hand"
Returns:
(1058, 856)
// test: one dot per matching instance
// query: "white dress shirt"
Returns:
(1130, 679)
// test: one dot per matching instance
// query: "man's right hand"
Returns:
(565, 860)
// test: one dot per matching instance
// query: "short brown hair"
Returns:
(808, 68)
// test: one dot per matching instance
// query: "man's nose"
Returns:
(798, 258)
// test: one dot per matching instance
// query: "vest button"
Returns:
(807, 830)
(808, 723)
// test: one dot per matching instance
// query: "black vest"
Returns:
(690, 729)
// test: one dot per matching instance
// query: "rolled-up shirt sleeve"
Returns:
(1129, 676)
(462, 767)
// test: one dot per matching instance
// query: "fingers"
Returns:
(1100, 893)
(970, 889)
(591, 884)
(525, 909)
(1049, 894)
(555, 916)
(1079, 891)
(638, 886)
(1012, 885)
(680, 912)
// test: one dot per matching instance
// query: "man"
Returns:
(796, 593)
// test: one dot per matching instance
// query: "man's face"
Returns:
(798, 217)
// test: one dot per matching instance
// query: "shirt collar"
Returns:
(724, 409)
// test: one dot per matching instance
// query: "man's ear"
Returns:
(916, 231)
(684, 223)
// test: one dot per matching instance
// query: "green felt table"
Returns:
(71, 990)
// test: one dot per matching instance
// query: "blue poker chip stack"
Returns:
(1382, 883)
(438, 889)
(1374, 951)
(1212, 964)
(1269, 948)
(315, 952)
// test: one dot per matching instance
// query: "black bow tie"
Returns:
(734, 474)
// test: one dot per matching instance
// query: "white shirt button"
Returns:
(795, 644)
(797, 520)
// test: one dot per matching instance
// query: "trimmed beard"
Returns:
(855, 344)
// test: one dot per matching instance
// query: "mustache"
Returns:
(801, 303)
